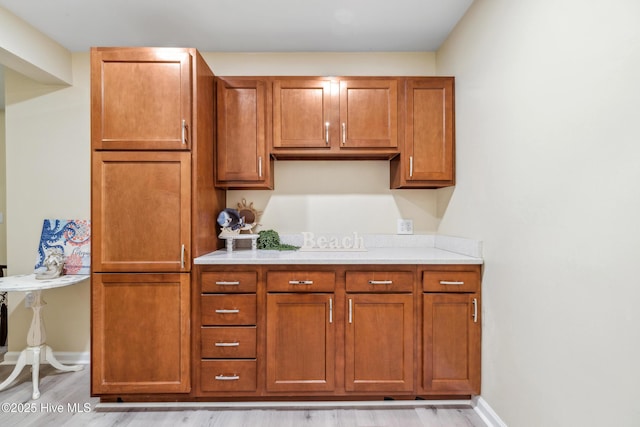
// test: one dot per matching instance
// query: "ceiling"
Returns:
(245, 26)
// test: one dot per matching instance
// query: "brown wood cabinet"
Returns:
(427, 158)
(141, 211)
(329, 331)
(409, 120)
(300, 354)
(340, 117)
(244, 133)
(153, 208)
(451, 330)
(140, 333)
(379, 336)
(379, 331)
(300, 330)
(141, 99)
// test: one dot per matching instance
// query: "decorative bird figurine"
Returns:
(230, 219)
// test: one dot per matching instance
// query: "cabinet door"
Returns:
(379, 338)
(140, 333)
(451, 343)
(140, 211)
(300, 342)
(141, 99)
(302, 113)
(368, 114)
(243, 160)
(429, 131)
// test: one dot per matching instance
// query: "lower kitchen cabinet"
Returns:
(336, 331)
(300, 352)
(153, 356)
(451, 343)
(379, 337)
(451, 330)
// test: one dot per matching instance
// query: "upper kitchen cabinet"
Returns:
(243, 133)
(344, 117)
(141, 98)
(427, 157)
(302, 113)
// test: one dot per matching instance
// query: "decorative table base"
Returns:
(34, 356)
(37, 351)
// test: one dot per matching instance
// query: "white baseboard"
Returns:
(64, 357)
(486, 412)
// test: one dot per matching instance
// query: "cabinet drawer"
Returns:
(451, 281)
(228, 375)
(229, 282)
(379, 281)
(228, 309)
(301, 281)
(228, 343)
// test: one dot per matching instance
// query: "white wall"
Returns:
(548, 157)
(48, 176)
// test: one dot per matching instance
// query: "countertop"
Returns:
(380, 249)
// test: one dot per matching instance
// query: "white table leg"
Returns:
(35, 371)
(49, 357)
(33, 354)
(20, 364)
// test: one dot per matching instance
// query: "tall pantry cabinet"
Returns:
(153, 208)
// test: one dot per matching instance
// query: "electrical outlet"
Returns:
(405, 226)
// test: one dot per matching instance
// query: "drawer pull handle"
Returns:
(381, 282)
(227, 377)
(225, 311)
(228, 283)
(227, 344)
(446, 282)
(301, 282)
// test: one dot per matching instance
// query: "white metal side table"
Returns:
(37, 351)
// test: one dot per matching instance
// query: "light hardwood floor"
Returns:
(65, 401)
